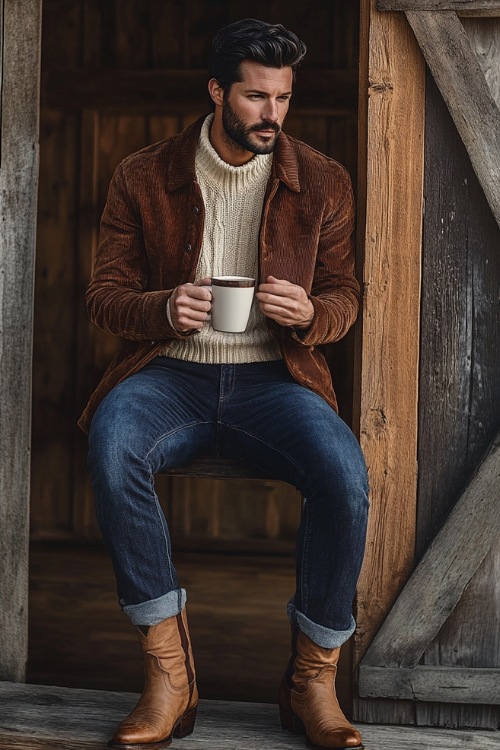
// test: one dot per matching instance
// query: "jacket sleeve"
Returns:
(117, 298)
(335, 289)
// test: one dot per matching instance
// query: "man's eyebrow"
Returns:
(258, 91)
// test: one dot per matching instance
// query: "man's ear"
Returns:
(216, 92)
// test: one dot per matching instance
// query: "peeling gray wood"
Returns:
(43, 718)
(427, 683)
(476, 6)
(457, 72)
(484, 36)
(18, 201)
(439, 580)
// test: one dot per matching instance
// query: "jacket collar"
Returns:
(181, 162)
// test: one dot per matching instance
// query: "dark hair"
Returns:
(250, 39)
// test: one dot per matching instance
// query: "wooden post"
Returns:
(391, 178)
(20, 24)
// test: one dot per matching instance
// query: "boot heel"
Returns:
(185, 725)
(290, 722)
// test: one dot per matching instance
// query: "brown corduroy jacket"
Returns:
(150, 241)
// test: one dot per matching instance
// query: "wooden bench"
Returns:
(37, 717)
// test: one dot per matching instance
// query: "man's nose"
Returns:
(270, 112)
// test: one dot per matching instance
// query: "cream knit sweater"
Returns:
(233, 198)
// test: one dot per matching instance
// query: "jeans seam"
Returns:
(159, 511)
(303, 567)
(173, 432)
(161, 519)
(268, 445)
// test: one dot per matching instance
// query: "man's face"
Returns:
(254, 109)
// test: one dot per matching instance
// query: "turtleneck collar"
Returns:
(217, 171)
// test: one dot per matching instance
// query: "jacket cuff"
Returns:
(316, 331)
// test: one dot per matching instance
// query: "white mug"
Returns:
(232, 298)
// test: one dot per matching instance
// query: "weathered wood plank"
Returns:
(20, 28)
(428, 683)
(392, 179)
(447, 325)
(484, 36)
(443, 573)
(41, 718)
(457, 72)
(388, 407)
(459, 401)
(478, 6)
(470, 639)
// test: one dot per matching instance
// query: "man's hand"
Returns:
(286, 303)
(190, 305)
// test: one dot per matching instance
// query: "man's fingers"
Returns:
(274, 280)
(193, 291)
(279, 287)
(207, 281)
(190, 305)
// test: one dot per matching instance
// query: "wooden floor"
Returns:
(79, 638)
(45, 718)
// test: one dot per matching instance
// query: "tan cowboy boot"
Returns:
(167, 706)
(308, 701)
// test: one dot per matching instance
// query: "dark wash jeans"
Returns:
(170, 412)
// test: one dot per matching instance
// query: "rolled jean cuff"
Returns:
(321, 636)
(156, 610)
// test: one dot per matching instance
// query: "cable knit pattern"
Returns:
(233, 198)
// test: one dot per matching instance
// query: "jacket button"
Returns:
(188, 247)
(196, 210)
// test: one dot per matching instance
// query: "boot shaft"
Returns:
(169, 645)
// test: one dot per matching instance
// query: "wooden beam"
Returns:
(391, 177)
(432, 683)
(162, 90)
(457, 72)
(21, 26)
(475, 6)
(445, 570)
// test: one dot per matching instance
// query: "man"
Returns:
(230, 195)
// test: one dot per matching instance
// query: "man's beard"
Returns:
(238, 132)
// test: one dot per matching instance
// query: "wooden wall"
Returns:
(118, 75)
(459, 405)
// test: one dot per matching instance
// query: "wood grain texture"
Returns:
(39, 718)
(484, 36)
(425, 683)
(460, 357)
(20, 76)
(386, 411)
(457, 72)
(476, 6)
(459, 405)
(469, 640)
(392, 246)
(444, 572)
